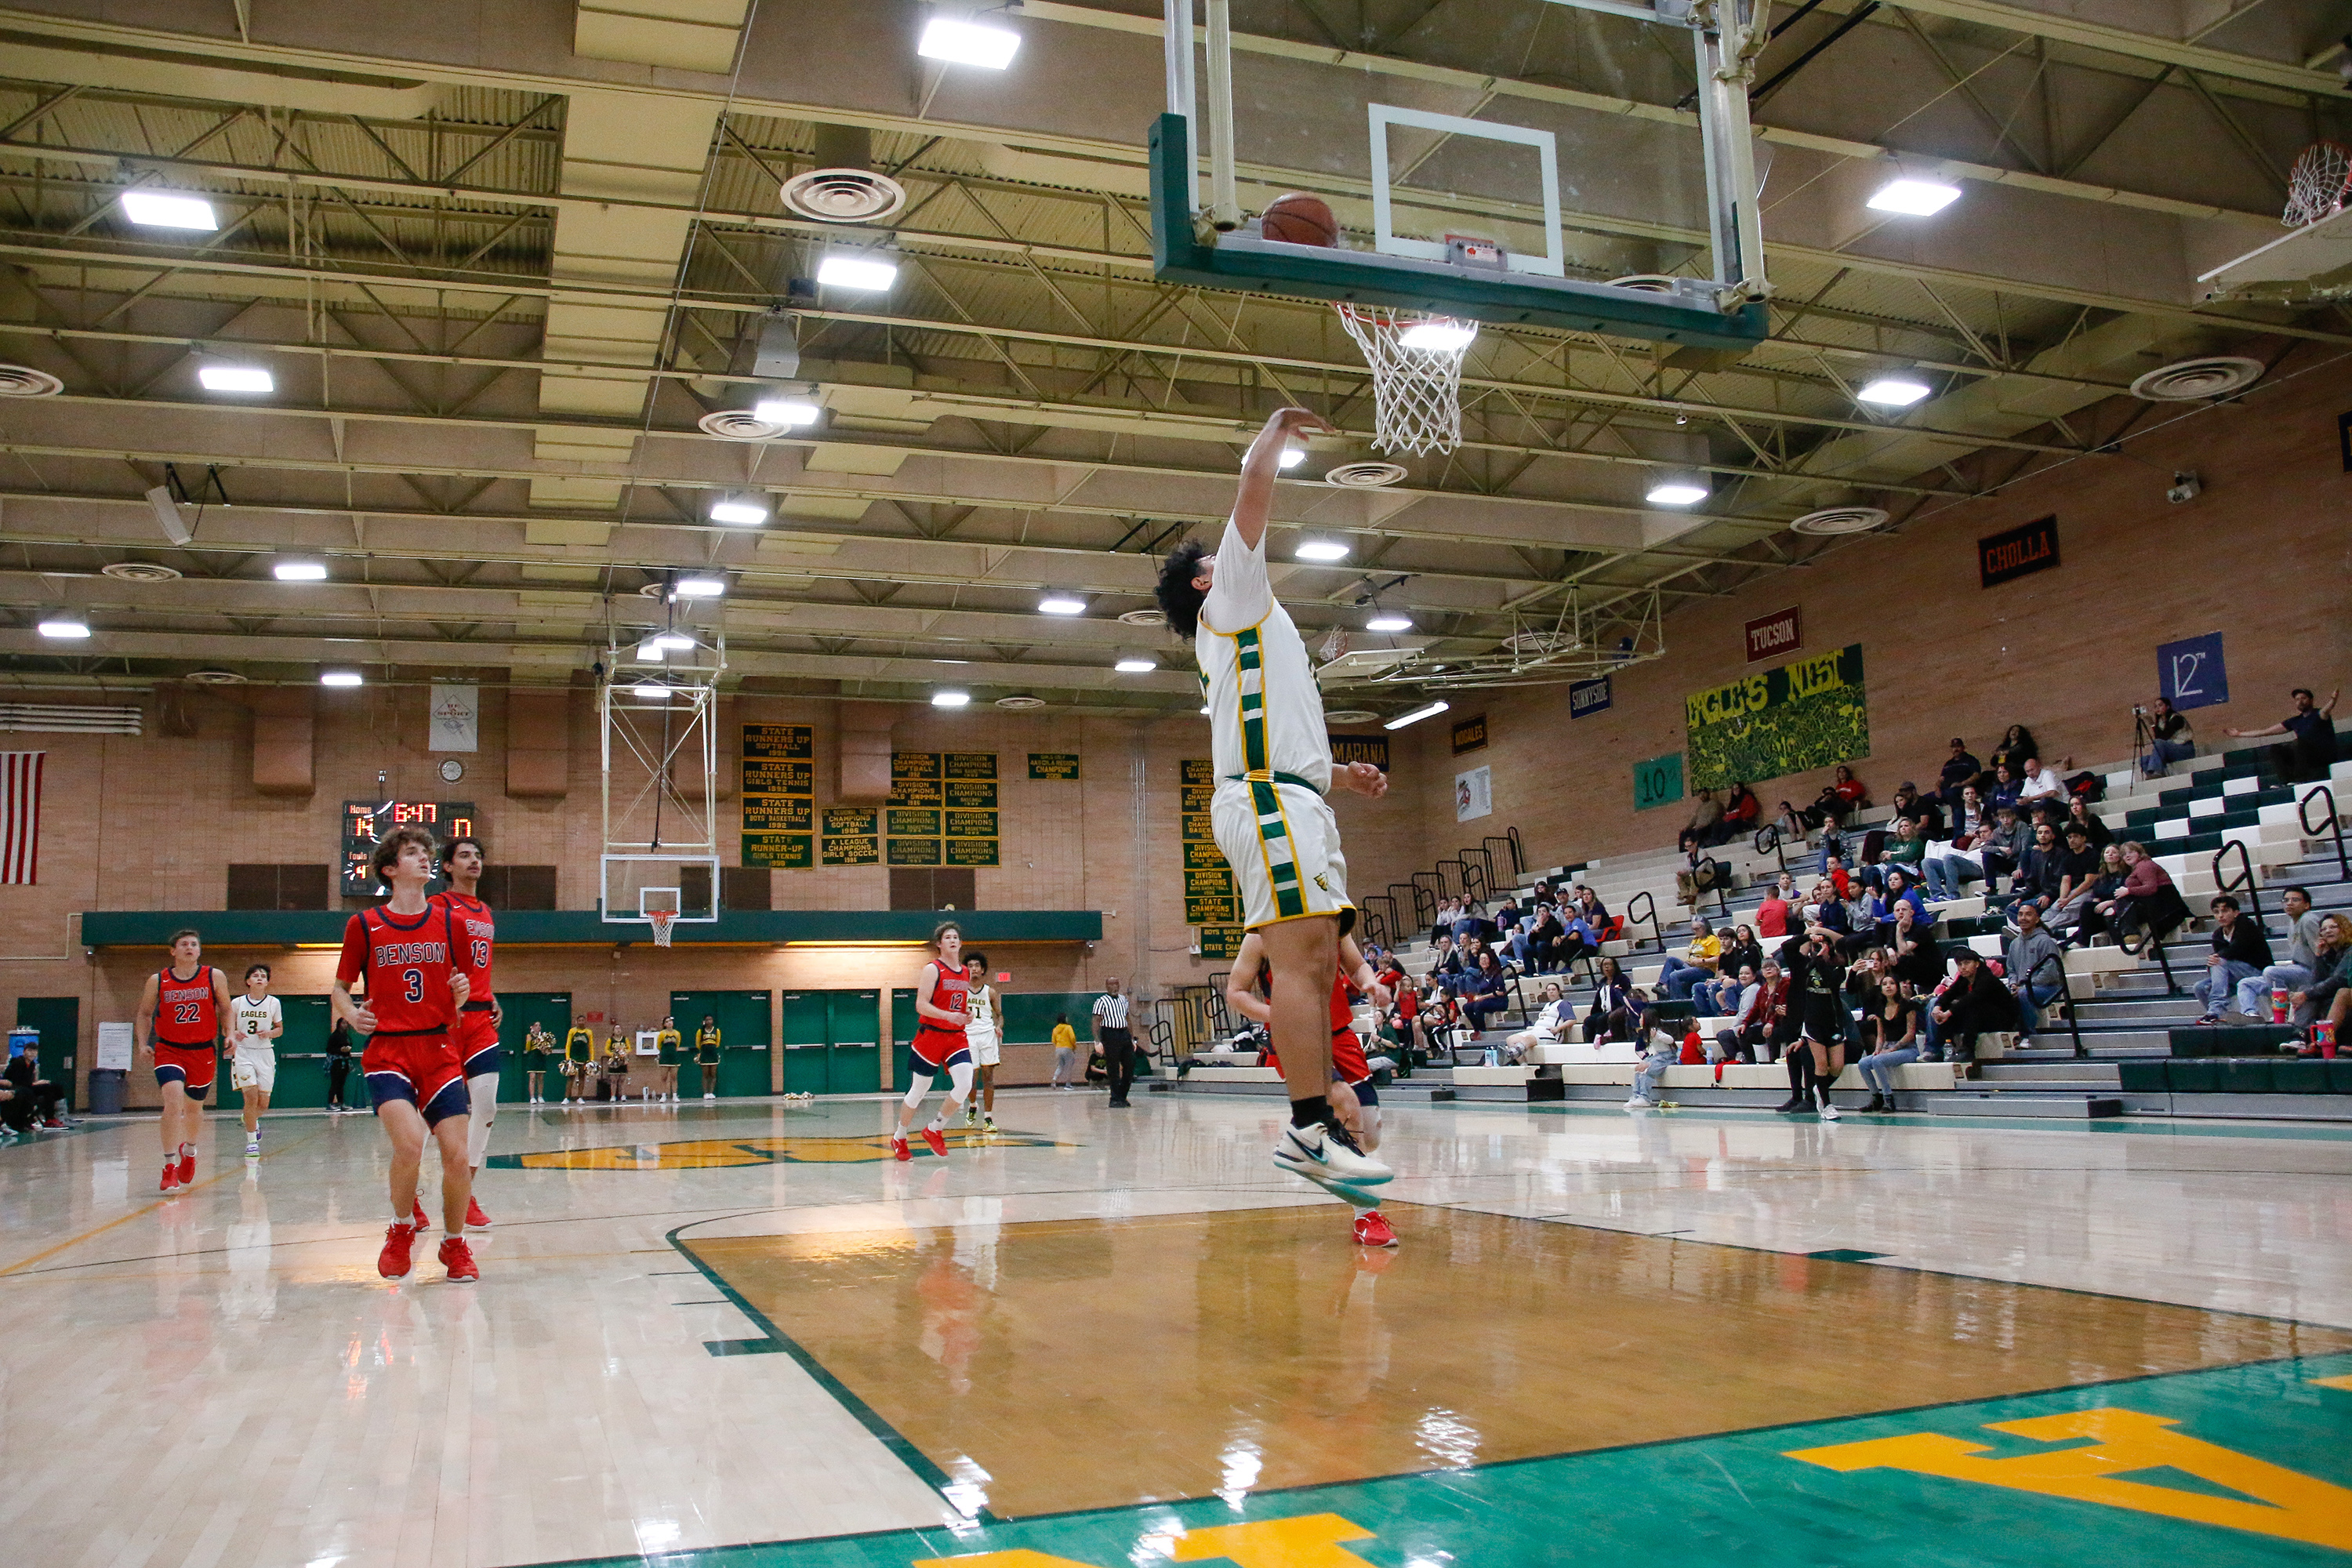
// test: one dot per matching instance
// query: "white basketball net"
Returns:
(1416, 391)
(661, 920)
(2317, 186)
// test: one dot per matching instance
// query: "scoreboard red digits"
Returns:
(366, 821)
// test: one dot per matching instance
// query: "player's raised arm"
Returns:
(1255, 498)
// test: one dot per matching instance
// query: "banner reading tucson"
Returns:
(1807, 713)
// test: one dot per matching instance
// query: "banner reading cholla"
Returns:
(1807, 713)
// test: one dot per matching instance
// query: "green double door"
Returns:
(833, 1042)
(743, 1037)
(301, 1060)
(552, 1010)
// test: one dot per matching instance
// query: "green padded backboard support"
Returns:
(1432, 288)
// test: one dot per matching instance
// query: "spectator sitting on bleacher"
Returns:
(1948, 866)
(2148, 902)
(1788, 824)
(1969, 815)
(1554, 1021)
(1898, 895)
(2016, 745)
(1902, 856)
(1763, 1002)
(32, 1100)
(1577, 941)
(1975, 1003)
(2035, 987)
(1920, 810)
(2294, 974)
(1679, 974)
(2040, 790)
(1472, 922)
(1912, 954)
(2331, 966)
(2307, 757)
(1741, 813)
(1772, 914)
(1959, 772)
(2169, 740)
(2078, 872)
(1890, 1034)
(2095, 827)
(2038, 874)
(1532, 938)
(1445, 964)
(1704, 829)
(1718, 997)
(1592, 912)
(1486, 991)
(2004, 789)
(1661, 1048)
(2104, 887)
(1837, 800)
(2240, 952)
(1614, 1003)
(1700, 871)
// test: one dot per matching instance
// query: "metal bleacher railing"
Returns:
(2243, 876)
(2074, 1014)
(1643, 907)
(2335, 826)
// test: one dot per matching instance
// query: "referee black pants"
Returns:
(1119, 1058)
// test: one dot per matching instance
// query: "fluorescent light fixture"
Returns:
(300, 572)
(1914, 199)
(863, 271)
(65, 626)
(790, 412)
(341, 678)
(1136, 666)
(951, 661)
(743, 511)
(1291, 457)
(672, 642)
(950, 699)
(1061, 605)
(1320, 550)
(957, 42)
(700, 587)
(650, 691)
(650, 651)
(1894, 391)
(1676, 493)
(1416, 716)
(1388, 621)
(236, 378)
(152, 209)
(1439, 336)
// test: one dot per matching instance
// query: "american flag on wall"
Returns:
(20, 815)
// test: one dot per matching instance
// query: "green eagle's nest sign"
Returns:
(1807, 713)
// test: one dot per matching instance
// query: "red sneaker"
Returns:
(898, 1150)
(459, 1259)
(475, 1218)
(938, 1144)
(393, 1261)
(171, 1182)
(187, 1167)
(1372, 1230)
(416, 1217)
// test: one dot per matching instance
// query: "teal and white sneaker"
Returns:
(253, 1147)
(1328, 1156)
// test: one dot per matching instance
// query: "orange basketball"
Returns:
(1299, 219)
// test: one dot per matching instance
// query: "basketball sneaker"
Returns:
(475, 1218)
(972, 1116)
(709, 1094)
(1329, 1155)
(898, 1150)
(171, 1182)
(459, 1259)
(399, 1237)
(253, 1147)
(939, 1144)
(188, 1164)
(1372, 1230)
(418, 1218)
(988, 1124)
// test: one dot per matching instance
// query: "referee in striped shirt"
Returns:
(1117, 1043)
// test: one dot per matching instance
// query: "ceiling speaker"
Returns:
(843, 196)
(2191, 380)
(1840, 519)
(1366, 476)
(24, 381)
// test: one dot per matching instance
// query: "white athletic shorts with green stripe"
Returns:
(1282, 844)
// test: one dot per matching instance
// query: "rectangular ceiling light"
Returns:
(957, 42)
(792, 412)
(236, 378)
(738, 511)
(950, 699)
(340, 677)
(1134, 667)
(1893, 392)
(151, 209)
(673, 642)
(65, 626)
(1416, 716)
(1914, 199)
(863, 272)
(300, 572)
(701, 587)
(1320, 550)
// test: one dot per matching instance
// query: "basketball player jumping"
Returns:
(1273, 763)
(985, 1035)
(254, 1021)
(477, 1036)
(415, 992)
(180, 1017)
(941, 999)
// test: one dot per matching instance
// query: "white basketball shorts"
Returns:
(256, 1071)
(984, 1046)
(1282, 844)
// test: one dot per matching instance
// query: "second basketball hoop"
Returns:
(1416, 363)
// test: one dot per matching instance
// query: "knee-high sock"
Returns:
(959, 1075)
(482, 1105)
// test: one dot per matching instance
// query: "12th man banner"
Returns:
(1807, 713)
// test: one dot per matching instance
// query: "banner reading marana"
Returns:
(1807, 713)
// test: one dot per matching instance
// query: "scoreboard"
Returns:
(365, 821)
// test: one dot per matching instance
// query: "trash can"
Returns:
(106, 1091)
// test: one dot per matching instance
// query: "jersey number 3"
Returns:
(412, 982)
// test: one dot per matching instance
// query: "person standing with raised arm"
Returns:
(1273, 763)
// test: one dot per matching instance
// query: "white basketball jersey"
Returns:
(980, 1007)
(251, 1022)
